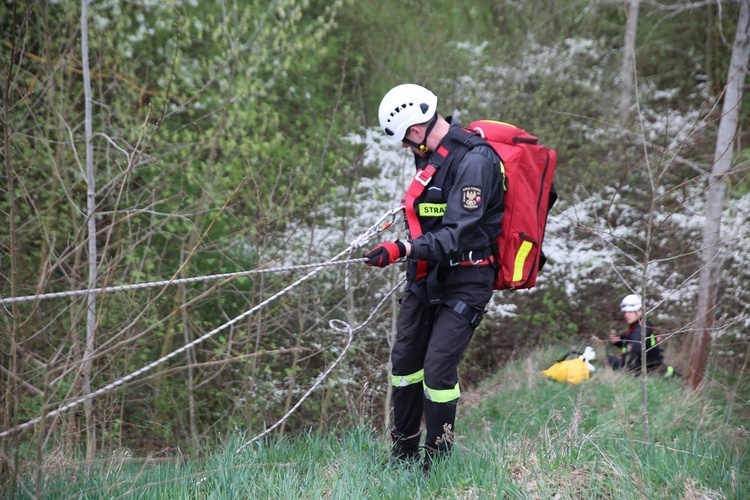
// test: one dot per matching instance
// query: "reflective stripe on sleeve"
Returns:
(404, 380)
(442, 395)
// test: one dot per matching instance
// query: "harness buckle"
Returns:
(419, 179)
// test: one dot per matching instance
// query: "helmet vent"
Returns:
(424, 107)
(398, 109)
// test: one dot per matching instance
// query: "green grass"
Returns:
(519, 435)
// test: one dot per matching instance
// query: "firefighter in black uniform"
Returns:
(630, 342)
(453, 219)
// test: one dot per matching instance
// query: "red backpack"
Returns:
(529, 168)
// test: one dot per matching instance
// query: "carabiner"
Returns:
(473, 262)
(392, 214)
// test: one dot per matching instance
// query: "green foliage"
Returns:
(216, 129)
(395, 42)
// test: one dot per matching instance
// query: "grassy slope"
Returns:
(519, 435)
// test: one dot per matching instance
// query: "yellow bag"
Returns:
(572, 371)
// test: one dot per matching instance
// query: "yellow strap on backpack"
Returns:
(572, 371)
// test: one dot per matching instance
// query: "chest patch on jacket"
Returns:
(431, 209)
(471, 197)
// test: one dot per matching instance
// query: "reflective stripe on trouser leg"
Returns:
(404, 380)
(442, 395)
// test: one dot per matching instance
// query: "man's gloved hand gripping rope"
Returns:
(385, 254)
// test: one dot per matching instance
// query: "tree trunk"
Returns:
(88, 352)
(627, 72)
(717, 186)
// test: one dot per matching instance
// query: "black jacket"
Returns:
(461, 208)
(630, 341)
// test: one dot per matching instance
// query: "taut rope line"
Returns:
(358, 242)
(138, 286)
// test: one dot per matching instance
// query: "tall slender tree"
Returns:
(717, 187)
(627, 71)
(91, 226)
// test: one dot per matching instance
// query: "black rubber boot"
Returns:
(405, 448)
(432, 454)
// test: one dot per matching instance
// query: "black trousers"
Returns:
(430, 342)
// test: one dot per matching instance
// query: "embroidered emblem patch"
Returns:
(471, 197)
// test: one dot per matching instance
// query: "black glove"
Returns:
(385, 254)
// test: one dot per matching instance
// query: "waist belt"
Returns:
(483, 262)
(474, 258)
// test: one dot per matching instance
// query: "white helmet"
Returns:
(631, 303)
(403, 106)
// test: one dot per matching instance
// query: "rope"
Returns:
(376, 228)
(346, 327)
(139, 286)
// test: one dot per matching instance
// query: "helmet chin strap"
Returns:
(422, 146)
